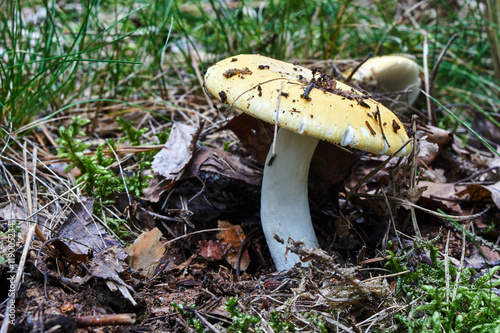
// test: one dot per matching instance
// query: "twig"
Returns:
(338, 324)
(200, 317)
(413, 179)
(391, 216)
(406, 202)
(44, 266)
(373, 172)
(104, 320)
(121, 172)
(193, 233)
(387, 276)
(365, 59)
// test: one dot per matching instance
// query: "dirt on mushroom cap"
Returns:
(330, 110)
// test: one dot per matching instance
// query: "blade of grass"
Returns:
(492, 149)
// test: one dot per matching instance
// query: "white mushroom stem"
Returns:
(284, 202)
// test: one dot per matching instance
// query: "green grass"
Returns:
(72, 57)
(297, 30)
(123, 50)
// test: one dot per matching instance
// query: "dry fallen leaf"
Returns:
(182, 158)
(233, 236)
(82, 233)
(436, 135)
(108, 265)
(173, 159)
(15, 212)
(146, 252)
(436, 195)
(228, 165)
(212, 250)
(255, 135)
(495, 193)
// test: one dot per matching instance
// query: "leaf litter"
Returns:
(201, 210)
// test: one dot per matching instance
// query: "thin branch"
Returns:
(365, 59)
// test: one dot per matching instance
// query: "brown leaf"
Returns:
(427, 151)
(12, 211)
(108, 265)
(184, 158)
(255, 135)
(437, 135)
(157, 186)
(476, 259)
(232, 259)
(212, 250)
(436, 194)
(431, 139)
(495, 193)
(146, 252)
(61, 250)
(173, 159)
(217, 161)
(233, 237)
(81, 232)
(474, 193)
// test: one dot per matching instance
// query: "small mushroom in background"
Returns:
(391, 73)
(307, 107)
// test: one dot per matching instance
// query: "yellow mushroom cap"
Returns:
(337, 113)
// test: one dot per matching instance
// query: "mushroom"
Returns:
(391, 73)
(307, 108)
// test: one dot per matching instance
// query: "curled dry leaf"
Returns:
(82, 233)
(430, 140)
(436, 195)
(172, 160)
(233, 236)
(146, 252)
(212, 250)
(495, 193)
(478, 193)
(437, 135)
(108, 265)
(182, 158)
(255, 135)
(61, 251)
(427, 151)
(13, 211)
(228, 165)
